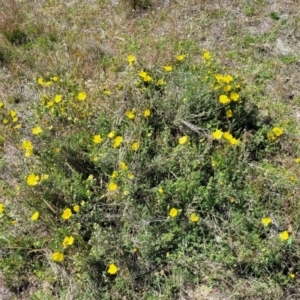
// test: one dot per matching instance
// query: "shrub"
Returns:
(148, 190)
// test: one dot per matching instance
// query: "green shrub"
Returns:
(148, 191)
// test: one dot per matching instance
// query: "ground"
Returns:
(89, 42)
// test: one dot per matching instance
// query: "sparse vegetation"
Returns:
(144, 162)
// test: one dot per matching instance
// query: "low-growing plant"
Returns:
(139, 4)
(151, 190)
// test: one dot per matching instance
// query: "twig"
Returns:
(51, 208)
(199, 130)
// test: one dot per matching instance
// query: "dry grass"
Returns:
(87, 33)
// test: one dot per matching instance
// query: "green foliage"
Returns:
(16, 36)
(5, 55)
(159, 184)
(139, 4)
(288, 59)
(274, 15)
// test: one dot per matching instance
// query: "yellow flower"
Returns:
(68, 241)
(12, 113)
(49, 104)
(266, 221)
(107, 92)
(143, 74)
(297, 160)
(234, 141)
(111, 135)
(44, 177)
(227, 79)
(168, 68)
(112, 269)
(292, 178)
(130, 59)
(161, 82)
(206, 55)
(224, 99)
(217, 134)
(112, 186)
(227, 136)
(1, 208)
(173, 212)
(76, 208)
(292, 275)
(27, 146)
(183, 140)
(135, 146)
(130, 176)
(147, 113)
(35, 216)
(1, 105)
(40, 81)
(284, 235)
(54, 78)
(67, 214)
(36, 130)
(130, 114)
(32, 179)
(117, 141)
(97, 139)
(229, 113)
(57, 98)
(81, 96)
(57, 256)
(194, 217)
(123, 166)
(160, 190)
(227, 88)
(234, 96)
(271, 136)
(213, 163)
(277, 131)
(219, 78)
(180, 57)
(148, 78)
(114, 174)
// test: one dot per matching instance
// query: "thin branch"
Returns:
(194, 128)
